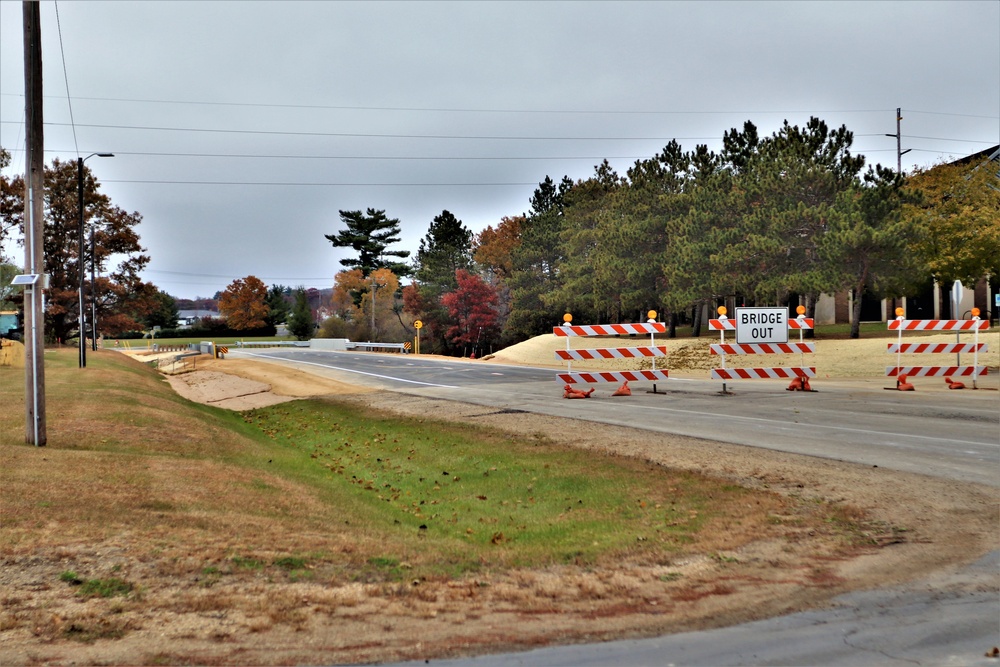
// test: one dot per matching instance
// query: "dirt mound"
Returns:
(851, 358)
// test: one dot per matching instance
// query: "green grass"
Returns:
(103, 588)
(479, 494)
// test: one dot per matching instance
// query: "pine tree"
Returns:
(445, 249)
(300, 321)
(370, 235)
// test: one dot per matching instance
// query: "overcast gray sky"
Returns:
(241, 128)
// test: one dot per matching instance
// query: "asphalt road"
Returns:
(950, 619)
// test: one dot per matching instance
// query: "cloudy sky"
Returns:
(241, 128)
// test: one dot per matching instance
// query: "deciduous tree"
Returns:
(376, 303)
(472, 308)
(244, 303)
(118, 254)
(959, 209)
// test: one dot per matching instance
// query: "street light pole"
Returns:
(81, 263)
(93, 295)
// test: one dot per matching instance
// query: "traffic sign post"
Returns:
(418, 325)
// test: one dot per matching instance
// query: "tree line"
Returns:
(792, 215)
(766, 219)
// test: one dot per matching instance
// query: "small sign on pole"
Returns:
(761, 325)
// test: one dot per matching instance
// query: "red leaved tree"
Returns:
(473, 309)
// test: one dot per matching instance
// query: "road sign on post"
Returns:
(761, 325)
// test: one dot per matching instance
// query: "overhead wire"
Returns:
(69, 98)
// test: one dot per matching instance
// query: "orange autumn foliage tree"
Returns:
(244, 304)
(353, 295)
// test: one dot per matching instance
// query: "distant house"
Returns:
(188, 318)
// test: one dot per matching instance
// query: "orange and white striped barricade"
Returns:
(899, 348)
(798, 374)
(652, 352)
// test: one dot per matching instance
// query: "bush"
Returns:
(335, 327)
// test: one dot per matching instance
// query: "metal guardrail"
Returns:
(272, 343)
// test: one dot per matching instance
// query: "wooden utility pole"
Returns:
(899, 142)
(34, 229)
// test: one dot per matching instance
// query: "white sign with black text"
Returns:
(761, 325)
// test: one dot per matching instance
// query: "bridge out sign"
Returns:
(761, 325)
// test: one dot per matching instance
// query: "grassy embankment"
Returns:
(312, 490)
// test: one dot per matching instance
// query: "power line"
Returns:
(371, 157)
(298, 184)
(69, 98)
(375, 135)
(408, 109)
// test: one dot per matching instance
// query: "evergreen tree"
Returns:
(370, 235)
(278, 306)
(592, 295)
(536, 261)
(300, 320)
(868, 242)
(445, 249)
(165, 314)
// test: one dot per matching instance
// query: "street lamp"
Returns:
(79, 187)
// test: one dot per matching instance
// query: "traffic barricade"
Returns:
(902, 373)
(652, 352)
(765, 327)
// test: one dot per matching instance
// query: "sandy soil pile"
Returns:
(690, 357)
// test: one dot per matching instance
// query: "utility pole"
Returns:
(374, 286)
(81, 265)
(899, 142)
(34, 228)
(93, 294)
